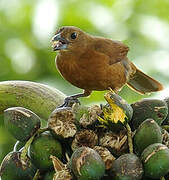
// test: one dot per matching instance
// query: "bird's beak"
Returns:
(58, 42)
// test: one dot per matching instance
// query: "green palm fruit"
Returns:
(21, 123)
(87, 164)
(149, 132)
(41, 148)
(127, 167)
(39, 98)
(149, 108)
(155, 159)
(12, 168)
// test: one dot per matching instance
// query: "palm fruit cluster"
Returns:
(115, 141)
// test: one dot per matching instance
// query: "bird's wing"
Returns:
(116, 50)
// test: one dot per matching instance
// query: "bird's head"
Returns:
(69, 38)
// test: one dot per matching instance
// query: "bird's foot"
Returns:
(69, 101)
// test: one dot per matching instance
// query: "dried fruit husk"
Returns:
(115, 142)
(86, 138)
(106, 156)
(62, 122)
(86, 116)
(62, 171)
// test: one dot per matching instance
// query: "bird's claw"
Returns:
(69, 101)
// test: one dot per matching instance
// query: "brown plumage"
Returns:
(96, 63)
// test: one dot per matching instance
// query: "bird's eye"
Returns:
(73, 35)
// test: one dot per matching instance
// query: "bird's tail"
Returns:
(143, 83)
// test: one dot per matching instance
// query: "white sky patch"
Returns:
(45, 20)
(105, 21)
(22, 58)
(162, 94)
(102, 17)
(155, 28)
(10, 8)
(158, 60)
(123, 9)
(5, 5)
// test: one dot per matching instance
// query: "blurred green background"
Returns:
(26, 27)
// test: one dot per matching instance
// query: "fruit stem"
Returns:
(41, 130)
(166, 127)
(36, 177)
(25, 149)
(129, 137)
(28, 143)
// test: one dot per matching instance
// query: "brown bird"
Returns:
(97, 63)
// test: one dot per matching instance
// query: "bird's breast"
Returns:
(80, 75)
(91, 73)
